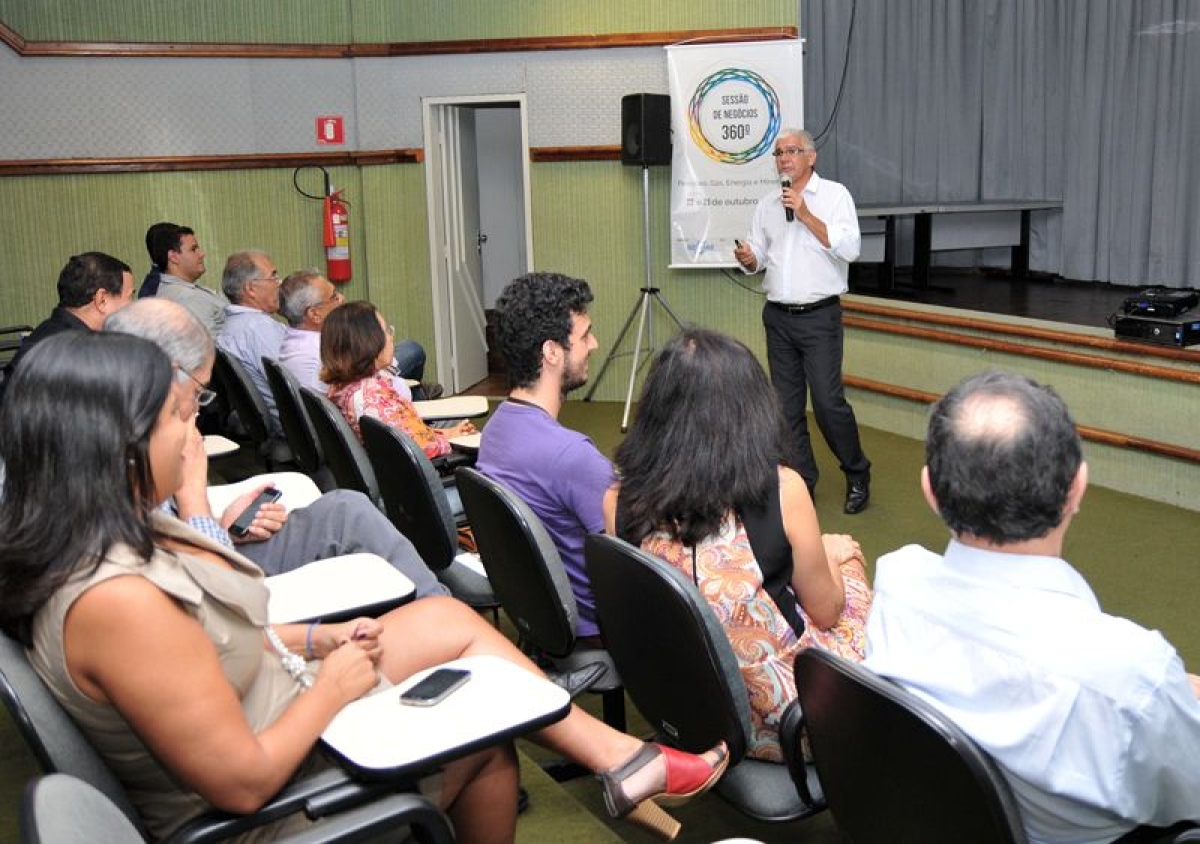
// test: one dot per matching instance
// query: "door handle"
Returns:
(480, 239)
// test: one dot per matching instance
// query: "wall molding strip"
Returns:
(1026, 331)
(1057, 355)
(1097, 435)
(120, 49)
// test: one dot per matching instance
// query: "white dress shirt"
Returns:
(250, 335)
(1091, 717)
(799, 269)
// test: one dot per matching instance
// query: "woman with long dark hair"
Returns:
(155, 640)
(357, 346)
(702, 486)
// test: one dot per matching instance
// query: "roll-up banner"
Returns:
(728, 104)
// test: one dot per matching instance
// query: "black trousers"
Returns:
(804, 352)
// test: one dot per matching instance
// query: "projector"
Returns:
(1165, 331)
(1161, 302)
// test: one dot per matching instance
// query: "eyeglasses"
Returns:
(790, 151)
(205, 396)
(335, 299)
(273, 277)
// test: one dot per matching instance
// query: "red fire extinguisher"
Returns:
(337, 237)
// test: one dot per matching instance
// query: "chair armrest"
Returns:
(385, 815)
(295, 797)
(337, 589)
(447, 463)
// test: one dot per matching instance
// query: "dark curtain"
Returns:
(1091, 102)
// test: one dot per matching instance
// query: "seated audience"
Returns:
(702, 485)
(250, 333)
(339, 522)
(1092, 719)
(356, 349)
(154, 277)
(90, 287)
(545, 335)
(174, 248)
(305, 299)
(155, 639)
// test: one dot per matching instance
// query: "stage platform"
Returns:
(1042, 296)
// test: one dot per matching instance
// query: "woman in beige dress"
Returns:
(154, 637)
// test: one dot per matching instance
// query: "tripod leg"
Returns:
(633, 368)
(616, 348)
(662, 301)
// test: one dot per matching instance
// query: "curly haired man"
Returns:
(545, 336)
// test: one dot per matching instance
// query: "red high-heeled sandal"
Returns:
(687, 775)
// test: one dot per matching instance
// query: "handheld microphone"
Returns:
(788, 213)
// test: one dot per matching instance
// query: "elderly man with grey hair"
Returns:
(804, 234)
(250, 332)
(339, 522)
(306, 299)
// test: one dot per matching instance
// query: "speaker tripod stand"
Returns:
(643, 308)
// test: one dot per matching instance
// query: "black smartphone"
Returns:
(241, 525)
(436, 687)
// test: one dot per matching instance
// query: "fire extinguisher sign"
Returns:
(331, 130)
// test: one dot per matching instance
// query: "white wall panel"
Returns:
(110, 107)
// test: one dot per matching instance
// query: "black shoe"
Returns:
(858, 493)
(581, 679)
(432, 391)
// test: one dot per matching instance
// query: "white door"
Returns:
(452, 183)
(454, 229)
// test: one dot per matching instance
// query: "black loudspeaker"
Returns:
(645, 129)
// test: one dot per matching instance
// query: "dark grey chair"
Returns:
(681, 673)
(235, 387)
(297, 427)
(417, 503)
(11, 337)
(61, 809)
(897, 770)
(344, 454)
(531, 584)
(59, 747)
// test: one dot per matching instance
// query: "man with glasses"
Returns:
(177, 255)
(251, 332)
(339, 522)
(805, 235)
(305, 301)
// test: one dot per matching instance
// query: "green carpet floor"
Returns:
(1135, 553)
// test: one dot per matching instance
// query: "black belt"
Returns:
(807, 307)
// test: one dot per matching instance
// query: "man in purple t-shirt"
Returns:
(545, 336)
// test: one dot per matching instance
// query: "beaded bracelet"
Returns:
(308, 636)
(292, 663)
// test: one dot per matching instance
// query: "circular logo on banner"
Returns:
(734, 116)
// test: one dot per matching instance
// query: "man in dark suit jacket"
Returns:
(90, 287)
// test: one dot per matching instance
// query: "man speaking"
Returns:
(805, 235)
